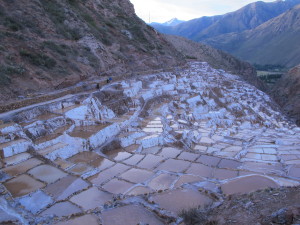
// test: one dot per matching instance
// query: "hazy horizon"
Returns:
(164, 10)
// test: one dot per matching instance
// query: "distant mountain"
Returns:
(273, 42)
(187, 29)
(250, 33)
(173, 22)
(287, 93)
(170, 23)
(216, 58)
(248, 17)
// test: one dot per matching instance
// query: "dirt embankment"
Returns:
(266, 207)
(287, 93)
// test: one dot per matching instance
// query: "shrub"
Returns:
(55, 10)
(89, 19)
(190, 57)
(73, 2)
(74, 34)
(38, 59)
(12, 70)
(12, 24)
(4, 79)
(57, 48)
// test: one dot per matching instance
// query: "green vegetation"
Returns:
(190, 57)
(55, 10)
(60, 49)
(270, 67)
(4, 79)
(67, 54)
(57, 15)
(38, 59)
(93, 60)
(270, 73)
(73, 2)
(12, 24)
(14, 70)
(89, 20)
(269, 78)
(7, 71)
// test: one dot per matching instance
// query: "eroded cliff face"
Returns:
(48, 45)
(287, 93)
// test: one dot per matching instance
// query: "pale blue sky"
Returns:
(164, 10)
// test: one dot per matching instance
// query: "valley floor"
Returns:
(141, 151)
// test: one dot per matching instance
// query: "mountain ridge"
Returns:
(272, 42)
(228, 32)
(169, 23)
(247, 17)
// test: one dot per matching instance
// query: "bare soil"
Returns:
(265, 207)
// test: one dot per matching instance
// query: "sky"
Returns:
(164, 10)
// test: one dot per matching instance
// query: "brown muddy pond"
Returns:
(87, 131)
(247, 184)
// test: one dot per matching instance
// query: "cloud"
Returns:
(164, 10)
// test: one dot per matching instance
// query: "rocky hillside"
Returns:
(216, 58)
(48, 45)
(274, 42)
(287, 93)
(248, 17)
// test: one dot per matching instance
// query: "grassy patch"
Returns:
(12, 24)
(60, 49)
(270, 67)
(93, 60)
(55, 10)
(7, 71)
(38, 59)
(89, 20)
(190, 57)
(73, 2)
(4, 79)
(14, 70)
(58, 16)
(195, 217)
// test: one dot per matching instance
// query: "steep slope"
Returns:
(287, 93)
(48, 45)
(245, 18)
(274, 42)
(216, 58)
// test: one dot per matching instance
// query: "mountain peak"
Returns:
(172, 22)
